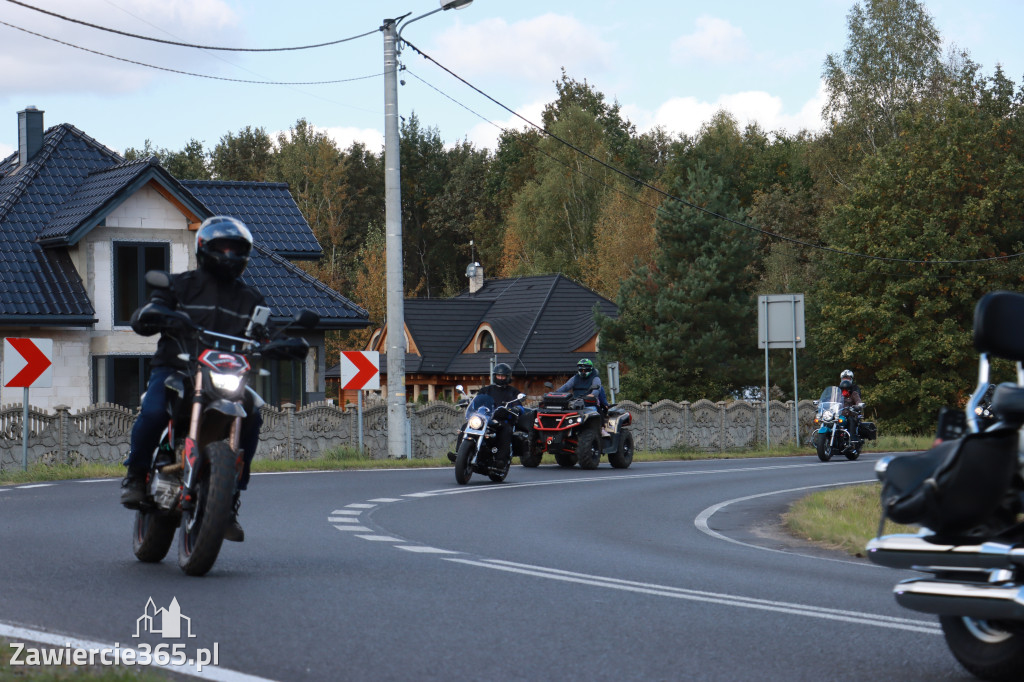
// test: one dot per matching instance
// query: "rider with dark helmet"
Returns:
(502, 391)
(586, 382)
(216, 299)
(851, 398)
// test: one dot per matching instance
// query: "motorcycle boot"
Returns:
(234, 532)
(133, 488)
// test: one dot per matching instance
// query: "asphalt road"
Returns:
(664, 571)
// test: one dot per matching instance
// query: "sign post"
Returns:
(360, 370)
(27, 363)
(613, 380)
(780, 324)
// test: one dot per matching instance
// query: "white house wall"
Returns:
(145, 216)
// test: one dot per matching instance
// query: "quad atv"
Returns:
(576, 432)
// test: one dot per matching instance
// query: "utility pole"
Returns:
(397, 417)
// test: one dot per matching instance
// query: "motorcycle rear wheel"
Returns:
(202, 528)
(623, 457)
(985, 649)
(152, 535)
(532, 458)
(463, 469)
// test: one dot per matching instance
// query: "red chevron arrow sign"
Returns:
(360, 370)
(28, 363)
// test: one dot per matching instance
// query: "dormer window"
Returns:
(485, 342)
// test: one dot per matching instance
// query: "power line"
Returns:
(682, 201)
(200, 47)
(188, 73)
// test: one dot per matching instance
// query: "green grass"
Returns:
(842, 518)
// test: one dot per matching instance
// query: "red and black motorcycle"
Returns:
(195, 469)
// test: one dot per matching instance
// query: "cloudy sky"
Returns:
(671, 63)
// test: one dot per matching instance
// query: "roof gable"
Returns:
(104, 190)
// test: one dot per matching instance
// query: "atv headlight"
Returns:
(227, 383)
(827, 415)
(476, 422)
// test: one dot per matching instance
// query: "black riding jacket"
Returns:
(223, 307)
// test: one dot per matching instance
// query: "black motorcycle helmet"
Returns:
(502, 374)
(845, 385)
(223, 245)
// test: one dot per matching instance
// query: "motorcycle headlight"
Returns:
(827, 415)
(226, 383)
(476, 422)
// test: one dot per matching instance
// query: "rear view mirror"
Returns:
(158, 279)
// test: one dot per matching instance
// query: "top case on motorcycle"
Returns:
(955, 485)
(999, 325)
(1008, 404)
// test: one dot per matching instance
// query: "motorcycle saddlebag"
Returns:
(955, 485)
(867, 430)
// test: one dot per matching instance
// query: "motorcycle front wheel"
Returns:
(463, 469)
(823, 448)
(988, 650)
(203, 527)
(152, 535)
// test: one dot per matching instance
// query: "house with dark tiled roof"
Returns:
(541, 326)
(80, 226)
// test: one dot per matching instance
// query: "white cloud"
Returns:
(533, 50)
(687, 114)
(715, 40)
(344, 137)
(485, 135)
(5, 150)
(37, 62)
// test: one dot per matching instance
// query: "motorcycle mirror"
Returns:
(520, 396)
(158, 279)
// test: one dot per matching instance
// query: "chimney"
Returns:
(30, 134)
(475, 272)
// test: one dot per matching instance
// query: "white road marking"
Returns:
(709, 597)
(35, 485)
(600, 479)
(13, 632)
(386, 499)
(346, 511)
(425, 550)
(363, 528)
(380, 538)
(360, 506)
(701, 521)
(342, 519)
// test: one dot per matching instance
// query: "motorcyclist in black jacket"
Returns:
(502, 391)
(216, 299)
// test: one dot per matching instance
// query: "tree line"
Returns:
(893, 220)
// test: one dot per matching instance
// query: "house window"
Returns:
(485, 342)
(131, 262)
(285, 383)
(120, 379)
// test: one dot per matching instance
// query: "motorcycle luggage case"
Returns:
(868, 430)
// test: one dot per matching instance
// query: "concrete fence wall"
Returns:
(100, 433)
